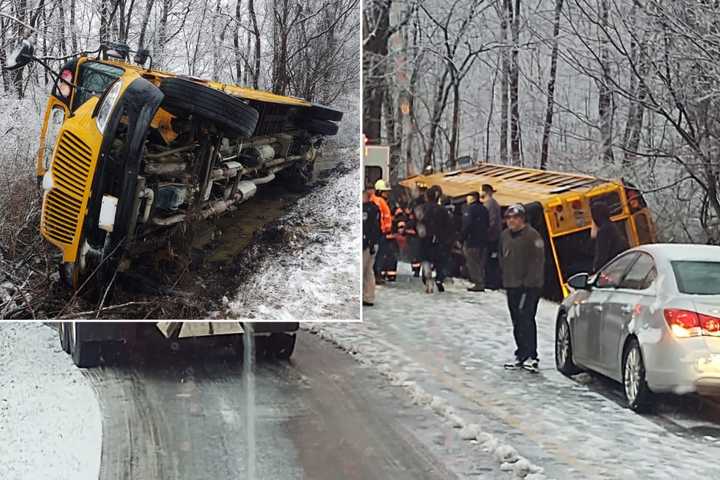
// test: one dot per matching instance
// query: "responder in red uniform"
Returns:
(380, 199)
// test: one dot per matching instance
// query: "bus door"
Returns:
(376, 161)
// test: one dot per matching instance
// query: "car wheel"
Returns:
(323, 127)
(282, 345)
(563, 347)
(64, 333)
(637, 392)
(84, 354)
(185, 97)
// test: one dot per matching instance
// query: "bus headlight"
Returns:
(106, 107)
(47, 181)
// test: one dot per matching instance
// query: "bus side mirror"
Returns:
(579, 281)
(21, 56)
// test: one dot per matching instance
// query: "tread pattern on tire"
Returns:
(184, 97)
(323, 127)
(321, 112)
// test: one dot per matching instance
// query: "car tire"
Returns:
(84, 354)
(282, 345)
(323, 127)
(635, 387)
(64, 334)
(563, 346)
(231, 114)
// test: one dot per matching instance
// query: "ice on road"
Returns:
(448, 349)
(50, 424)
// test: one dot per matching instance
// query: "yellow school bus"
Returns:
(558, 206)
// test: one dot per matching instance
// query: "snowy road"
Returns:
(182, 415)
(448, 350)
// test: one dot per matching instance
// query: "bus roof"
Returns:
(513, 184)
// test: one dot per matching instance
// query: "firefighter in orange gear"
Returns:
(380, 199)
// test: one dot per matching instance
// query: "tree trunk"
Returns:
(61, 12)
(256, 34)
(551, 87)
(374, 54)
(73, 33)
(605, 95)
(144, 23)
(236, 42)
(504, 83)
(454, 135)
(514, 86)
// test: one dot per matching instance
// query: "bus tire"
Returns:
(64, 334)
(84, 354)
(282, 345)
(321, 112)
(232, 115)
(323, 127)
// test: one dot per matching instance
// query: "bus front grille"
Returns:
(71, 174)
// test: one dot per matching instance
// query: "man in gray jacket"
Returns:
(522, 260)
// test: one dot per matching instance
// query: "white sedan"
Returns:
(650, 319)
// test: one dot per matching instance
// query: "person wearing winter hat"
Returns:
(609, 242)
(522, 261)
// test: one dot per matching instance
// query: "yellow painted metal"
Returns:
(72, 169)
(551, 189)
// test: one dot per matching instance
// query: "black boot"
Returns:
(440, 286)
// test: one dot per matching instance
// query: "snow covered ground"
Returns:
(447, 350)
(50, 424)
(315, 275)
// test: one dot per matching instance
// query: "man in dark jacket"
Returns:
(522, 260)
(436, 235)
(474, 235)
(492, 269)
(609, 242)
(371, 238)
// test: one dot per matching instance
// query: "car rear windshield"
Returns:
(697, 278)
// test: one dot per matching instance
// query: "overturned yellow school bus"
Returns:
(558, 206)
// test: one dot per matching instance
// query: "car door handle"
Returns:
(627, 309)
(599, 308)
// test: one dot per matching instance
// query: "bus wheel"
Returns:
(281, 345)
(64, 332)
(84, 354)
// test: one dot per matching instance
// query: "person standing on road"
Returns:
(522, 260)
(380, 199)
(474, 234)
(436, 233)
(609, 242)
(371, 238)
(487, 196)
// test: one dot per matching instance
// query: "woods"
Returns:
(622, 89)
(307, 49)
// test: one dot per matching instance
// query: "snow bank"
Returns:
(393, 365)
(50, 423)
(316, 273)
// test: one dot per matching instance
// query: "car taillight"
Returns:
(686, 323)
(63, 87)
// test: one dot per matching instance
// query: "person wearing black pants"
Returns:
(522, 260)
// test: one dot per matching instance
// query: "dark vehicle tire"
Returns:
(323, 127)
(232, 115)
(84, 354)
(64, 333)
(563, 346)
(282, 345)
(637, 393)
(321, 112)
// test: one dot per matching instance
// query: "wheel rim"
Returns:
(632, 375)
(562, 343)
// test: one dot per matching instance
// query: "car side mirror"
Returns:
(579, 281)
(21, 56)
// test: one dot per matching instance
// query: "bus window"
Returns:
(612, 200)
